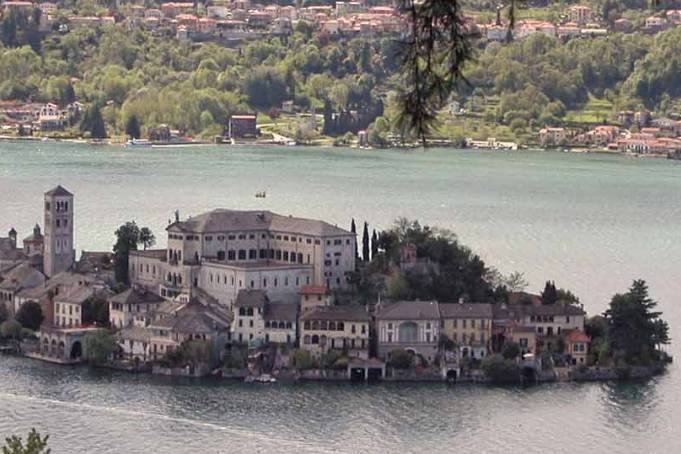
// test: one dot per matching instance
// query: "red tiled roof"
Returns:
(576, 335)
(314, 290)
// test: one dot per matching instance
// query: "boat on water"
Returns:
(262, 378)
(138, 143)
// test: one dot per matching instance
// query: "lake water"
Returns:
(592, 223)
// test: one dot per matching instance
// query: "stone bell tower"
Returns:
(58, 251)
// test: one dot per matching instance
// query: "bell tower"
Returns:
(58, 251)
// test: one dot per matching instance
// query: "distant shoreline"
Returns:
(82, 141)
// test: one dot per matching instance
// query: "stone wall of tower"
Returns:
(58, 248)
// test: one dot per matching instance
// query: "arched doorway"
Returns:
(76, 350)
(452, 375)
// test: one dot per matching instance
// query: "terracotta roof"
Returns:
(338, 313)
(468, 310)
(58, 191)
(576, 335)
(409, 310)
(314, 290)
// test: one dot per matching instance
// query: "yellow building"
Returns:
(525, 337)
(468, 325)
(344, 328)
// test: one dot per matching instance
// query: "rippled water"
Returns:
(591, 222)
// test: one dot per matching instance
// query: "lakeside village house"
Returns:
(254, 278)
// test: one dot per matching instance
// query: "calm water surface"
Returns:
(591, 222)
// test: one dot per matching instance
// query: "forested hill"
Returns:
(128, 68)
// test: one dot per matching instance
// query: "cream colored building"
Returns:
(410, 325)
(343, 328)
(550, 320)
(225, 251)
(132, 307)
(281, 322)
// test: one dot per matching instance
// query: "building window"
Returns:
(242, 254)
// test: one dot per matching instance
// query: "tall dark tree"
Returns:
(550, 294)
(374, 244)
(353, 229)
(93, 123)
(366, 251)
(127, 238)
(69, 94)
(635, 329)
(147, 238)
(97, 127)
(8, 29)
(132, 127)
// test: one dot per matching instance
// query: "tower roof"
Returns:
(58, 191)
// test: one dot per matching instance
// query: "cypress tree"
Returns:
(132, 127)
(353, 229)
(374, 244)
(97, 129)
(365, 244)
(550, 294)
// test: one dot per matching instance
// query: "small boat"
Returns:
(260, 194)
(138, 143)
(265, 378)
(262, 379)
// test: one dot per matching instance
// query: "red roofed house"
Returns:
(577, 346)
(312, 296)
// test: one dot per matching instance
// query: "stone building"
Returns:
(58, 253)
(342, 328)
(225, 251)
(410, 325)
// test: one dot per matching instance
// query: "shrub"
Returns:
(10, 329)
(401, 359)
(500, 370)
(510, 350)
(302, 360)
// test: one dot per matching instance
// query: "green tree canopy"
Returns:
(30, 315)
(635, 329)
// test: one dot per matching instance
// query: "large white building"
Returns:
(224, 251)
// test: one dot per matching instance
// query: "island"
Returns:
(262, 297)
